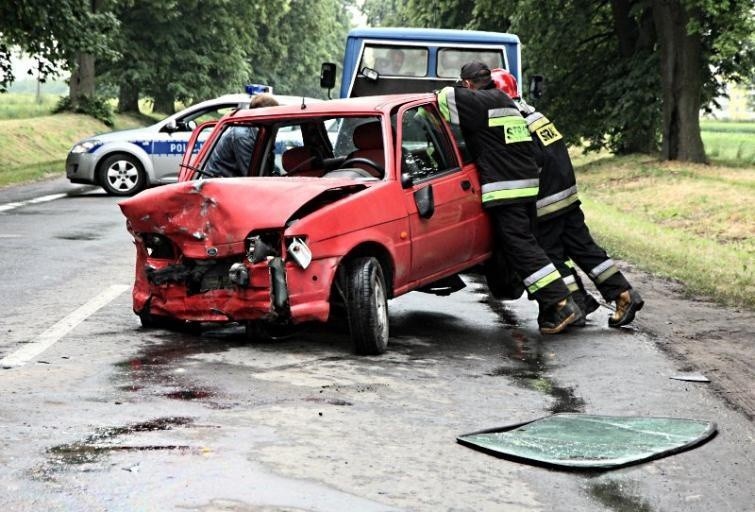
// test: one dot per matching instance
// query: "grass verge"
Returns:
(32, 149)
(689, 222)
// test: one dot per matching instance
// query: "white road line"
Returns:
(61, 328)
(41, 199)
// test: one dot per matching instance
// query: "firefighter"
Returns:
(562, 231)
(497, 136)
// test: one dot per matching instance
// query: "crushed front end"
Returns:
(205, 254)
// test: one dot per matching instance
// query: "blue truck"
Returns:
(406, 60)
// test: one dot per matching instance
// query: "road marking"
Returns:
(41, 199)
(61, 328)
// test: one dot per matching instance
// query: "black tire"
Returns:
(122, 175)
(367, 306)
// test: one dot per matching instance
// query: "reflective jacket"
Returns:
(558, 185)
(497, 136)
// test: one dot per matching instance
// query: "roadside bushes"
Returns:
(96, 107)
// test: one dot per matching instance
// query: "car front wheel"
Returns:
(367, 306)
(122, 175)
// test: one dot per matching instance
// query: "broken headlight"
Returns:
(261, 245)
(158, 246)
(299, 251)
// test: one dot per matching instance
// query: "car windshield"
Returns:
(311, 147)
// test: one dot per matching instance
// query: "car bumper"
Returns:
(307, 294)
(80, 168)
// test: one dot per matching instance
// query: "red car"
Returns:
(371, 201)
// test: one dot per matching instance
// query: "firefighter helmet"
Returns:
(504, 81)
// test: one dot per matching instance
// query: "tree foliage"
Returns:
(292, 47)
(604, 60)
(53, 33)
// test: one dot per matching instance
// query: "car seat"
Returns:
(368, 139)
(300, 161)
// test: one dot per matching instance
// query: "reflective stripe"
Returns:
(514, 189)
(546, 270)
(509, 185)
(501, 112)
(545, 281)
(536, 121)
(447, 105)
(571, 283)
(603, 271)
(569, 263)
(557, 201)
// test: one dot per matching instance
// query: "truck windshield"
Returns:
(450, 60)
(395, 60)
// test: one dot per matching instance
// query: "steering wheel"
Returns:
(365, 161)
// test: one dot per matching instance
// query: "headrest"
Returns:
(368, 136)
(293, 157)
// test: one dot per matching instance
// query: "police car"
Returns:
(124, 162)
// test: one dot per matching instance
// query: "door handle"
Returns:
(466, 185)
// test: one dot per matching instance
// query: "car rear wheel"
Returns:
(367, 306)
(122, 175)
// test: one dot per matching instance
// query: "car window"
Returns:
(425, 149)
(450, 60)
(197, 117)
(395, 60)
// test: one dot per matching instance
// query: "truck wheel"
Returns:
(122, 175)
(367, 306)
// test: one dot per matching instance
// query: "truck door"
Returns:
(443, 241)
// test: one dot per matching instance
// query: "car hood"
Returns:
(133, 134)
(213, 217)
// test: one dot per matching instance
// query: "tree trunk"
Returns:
(165, 102)
(128, 98)
(681, 63)
(82, 78)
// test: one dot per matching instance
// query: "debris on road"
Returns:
(585, 441)
(690, 377)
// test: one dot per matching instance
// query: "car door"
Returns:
(442, 238)
(170, 144)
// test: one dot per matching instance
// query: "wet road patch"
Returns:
(107, 440)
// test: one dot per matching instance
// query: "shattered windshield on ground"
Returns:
(583, 441)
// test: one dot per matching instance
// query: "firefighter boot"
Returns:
(557, 317)
(628, 303)
(587, 304)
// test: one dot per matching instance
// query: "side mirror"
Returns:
(406, 180)
(537, 86)
(425, 202)
(171, 126)
(328, 76)
(370, 74)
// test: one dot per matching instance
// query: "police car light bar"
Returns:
(252, 89)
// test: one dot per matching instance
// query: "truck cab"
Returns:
(408, 60)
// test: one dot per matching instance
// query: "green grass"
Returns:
(729, 142)
(31, 149)
(694, 223)
(25, 105)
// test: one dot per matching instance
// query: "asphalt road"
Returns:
(115, 417)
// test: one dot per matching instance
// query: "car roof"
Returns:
(245, 98)
(362, 104)
(401, 34)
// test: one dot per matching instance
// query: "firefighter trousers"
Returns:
(566, 237)
(513, 228)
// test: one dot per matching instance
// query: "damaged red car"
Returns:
(369, 200)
